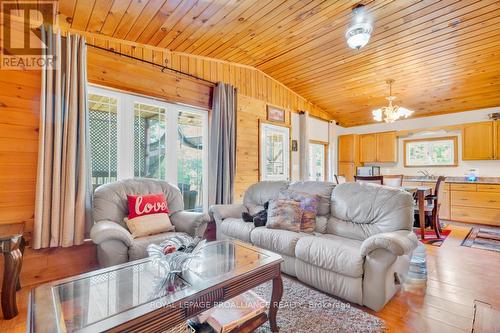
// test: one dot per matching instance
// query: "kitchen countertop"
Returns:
(458, 180)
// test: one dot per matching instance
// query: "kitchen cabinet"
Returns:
(476, 203)
(348, 170)
(387, 143)
(378, 147)
(497, 139)
(348, 148)
(348, 155)
(478, 141)
(368, 148)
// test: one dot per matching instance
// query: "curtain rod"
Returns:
(163, 68)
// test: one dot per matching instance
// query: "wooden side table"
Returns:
(12, 247)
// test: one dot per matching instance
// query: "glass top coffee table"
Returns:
(127, 298)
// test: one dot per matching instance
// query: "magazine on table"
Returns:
(234, 312)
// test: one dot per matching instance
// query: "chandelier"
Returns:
(390, 113)
(359, 32)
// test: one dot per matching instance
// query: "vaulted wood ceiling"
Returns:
(443, 55)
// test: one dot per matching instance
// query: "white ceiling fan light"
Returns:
(359, 32)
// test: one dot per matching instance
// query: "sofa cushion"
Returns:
(333, 253)
(260, 193)
(280, 241)
(322, 189)
(137, 250)
(236, 228)
(387, 208)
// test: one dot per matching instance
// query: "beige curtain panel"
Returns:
(63, 192)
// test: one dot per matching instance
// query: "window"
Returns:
(168, 142)
(440, 151)
(274, 152)
(318, 160)
(103, 138)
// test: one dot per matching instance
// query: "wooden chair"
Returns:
(432, 206)
(393, 180)
(369, 179)
(340, 179)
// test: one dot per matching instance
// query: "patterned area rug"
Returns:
(485, 238)
(430, 237)
(304, 310)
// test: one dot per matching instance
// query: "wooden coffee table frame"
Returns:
(176, 313)
(172, 314)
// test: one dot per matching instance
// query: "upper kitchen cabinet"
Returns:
(387, 143)
(478, 141)
(497, 139)
(378, 147)
(349, 148)
(368, 148)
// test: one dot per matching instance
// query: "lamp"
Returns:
(359, 32)
(390, 113)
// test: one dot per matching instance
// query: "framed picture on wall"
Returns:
(435, 152)
(274, 151)
(275, 114)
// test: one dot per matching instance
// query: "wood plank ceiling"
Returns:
(443, 55)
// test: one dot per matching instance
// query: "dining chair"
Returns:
(340, 179)
(393, 180)
(432, 206)
(369, 179)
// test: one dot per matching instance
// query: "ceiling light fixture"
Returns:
(390, 113)
(359, 32)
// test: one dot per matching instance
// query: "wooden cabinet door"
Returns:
(368, 148)
(348, 170)
(444, 200)
(477, 141)
(387, 147)
(348, 148)
(497, 139)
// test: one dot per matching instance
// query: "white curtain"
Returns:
(63, 189)
(304, 145)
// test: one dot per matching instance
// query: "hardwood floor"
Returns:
(457, 277)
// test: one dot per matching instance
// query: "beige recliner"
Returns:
(115, 244)
(362, 242)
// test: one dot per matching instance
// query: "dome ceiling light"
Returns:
(359, 32)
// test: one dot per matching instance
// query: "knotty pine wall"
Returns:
(19, 120)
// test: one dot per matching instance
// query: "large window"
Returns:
(134, 136)
(318, 160)
(274, 152)
(440, 151)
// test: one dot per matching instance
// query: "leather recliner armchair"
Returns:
(115, 244)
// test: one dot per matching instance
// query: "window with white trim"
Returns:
(318, 155)
(136, 136)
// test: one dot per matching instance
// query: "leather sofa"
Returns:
(115, 244)
(361, 245)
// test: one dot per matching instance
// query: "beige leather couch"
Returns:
(361, 245)
(115, 244)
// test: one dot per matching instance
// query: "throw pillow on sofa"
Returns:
(309, 205)
(284, 214)
(148, 215)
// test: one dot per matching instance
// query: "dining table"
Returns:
(420, 192)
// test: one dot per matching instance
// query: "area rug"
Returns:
(305, 310)
(430, 237)
(485, 238)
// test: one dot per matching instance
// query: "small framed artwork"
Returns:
(295, 145)
(275, 114)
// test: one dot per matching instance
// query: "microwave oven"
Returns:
(368, 171)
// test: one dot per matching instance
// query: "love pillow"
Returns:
(146, 204)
